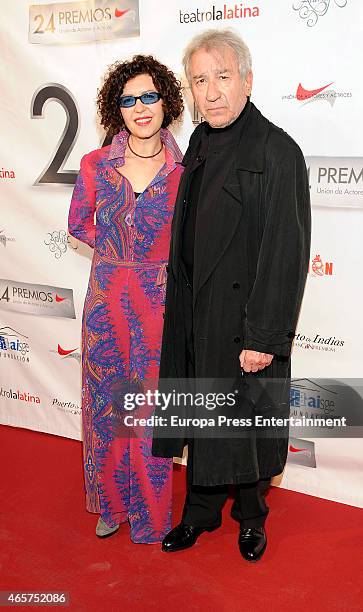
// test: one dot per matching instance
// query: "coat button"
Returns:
(236, 339)
(236, 285)
(199, 158)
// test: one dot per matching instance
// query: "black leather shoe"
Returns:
(252, 543)
(183, 536)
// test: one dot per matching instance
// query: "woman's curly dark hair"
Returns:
(115, 80)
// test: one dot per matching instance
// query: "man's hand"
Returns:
(252, 361)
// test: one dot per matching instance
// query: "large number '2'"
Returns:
(54, 173)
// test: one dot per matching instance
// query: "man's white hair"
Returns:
(215, 39)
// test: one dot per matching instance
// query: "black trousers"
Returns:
(203, 505)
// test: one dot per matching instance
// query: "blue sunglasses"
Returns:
(150, 97)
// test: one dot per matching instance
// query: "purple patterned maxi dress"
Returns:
(122, 330)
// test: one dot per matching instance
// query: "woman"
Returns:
(131, 185)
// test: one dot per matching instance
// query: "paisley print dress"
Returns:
(121, 331)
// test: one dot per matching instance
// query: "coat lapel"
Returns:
(177, 224)
(223, 203)
(217, 219)
(191, 163)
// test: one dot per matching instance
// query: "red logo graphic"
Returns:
(63, 352)
(58, 298)
(292, 449)
(305, 94)
(319, 268)
(67, 353)
(6, 173)
(120, 13)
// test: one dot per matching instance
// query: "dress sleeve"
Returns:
(273, 306)
(81, 222)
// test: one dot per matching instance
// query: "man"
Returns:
(237, 269)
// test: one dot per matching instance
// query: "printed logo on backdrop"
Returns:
(221, 12)
(67, 353)
(66, 407)
(87, 21)
(336, 182)
(322, 93)
(7, 174)
(19, 395)
(5, 238)
(328, 399)
(309, 398)
(313, 10)
(319, 268)
(58, 242)
(14, 345)
(316, 342)
(301, 452)
(54, 172)
(44, 300)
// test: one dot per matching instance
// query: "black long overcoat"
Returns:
(252, 244)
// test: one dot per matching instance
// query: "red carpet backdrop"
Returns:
(307, 67)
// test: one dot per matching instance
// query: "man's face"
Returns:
(218, 88)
